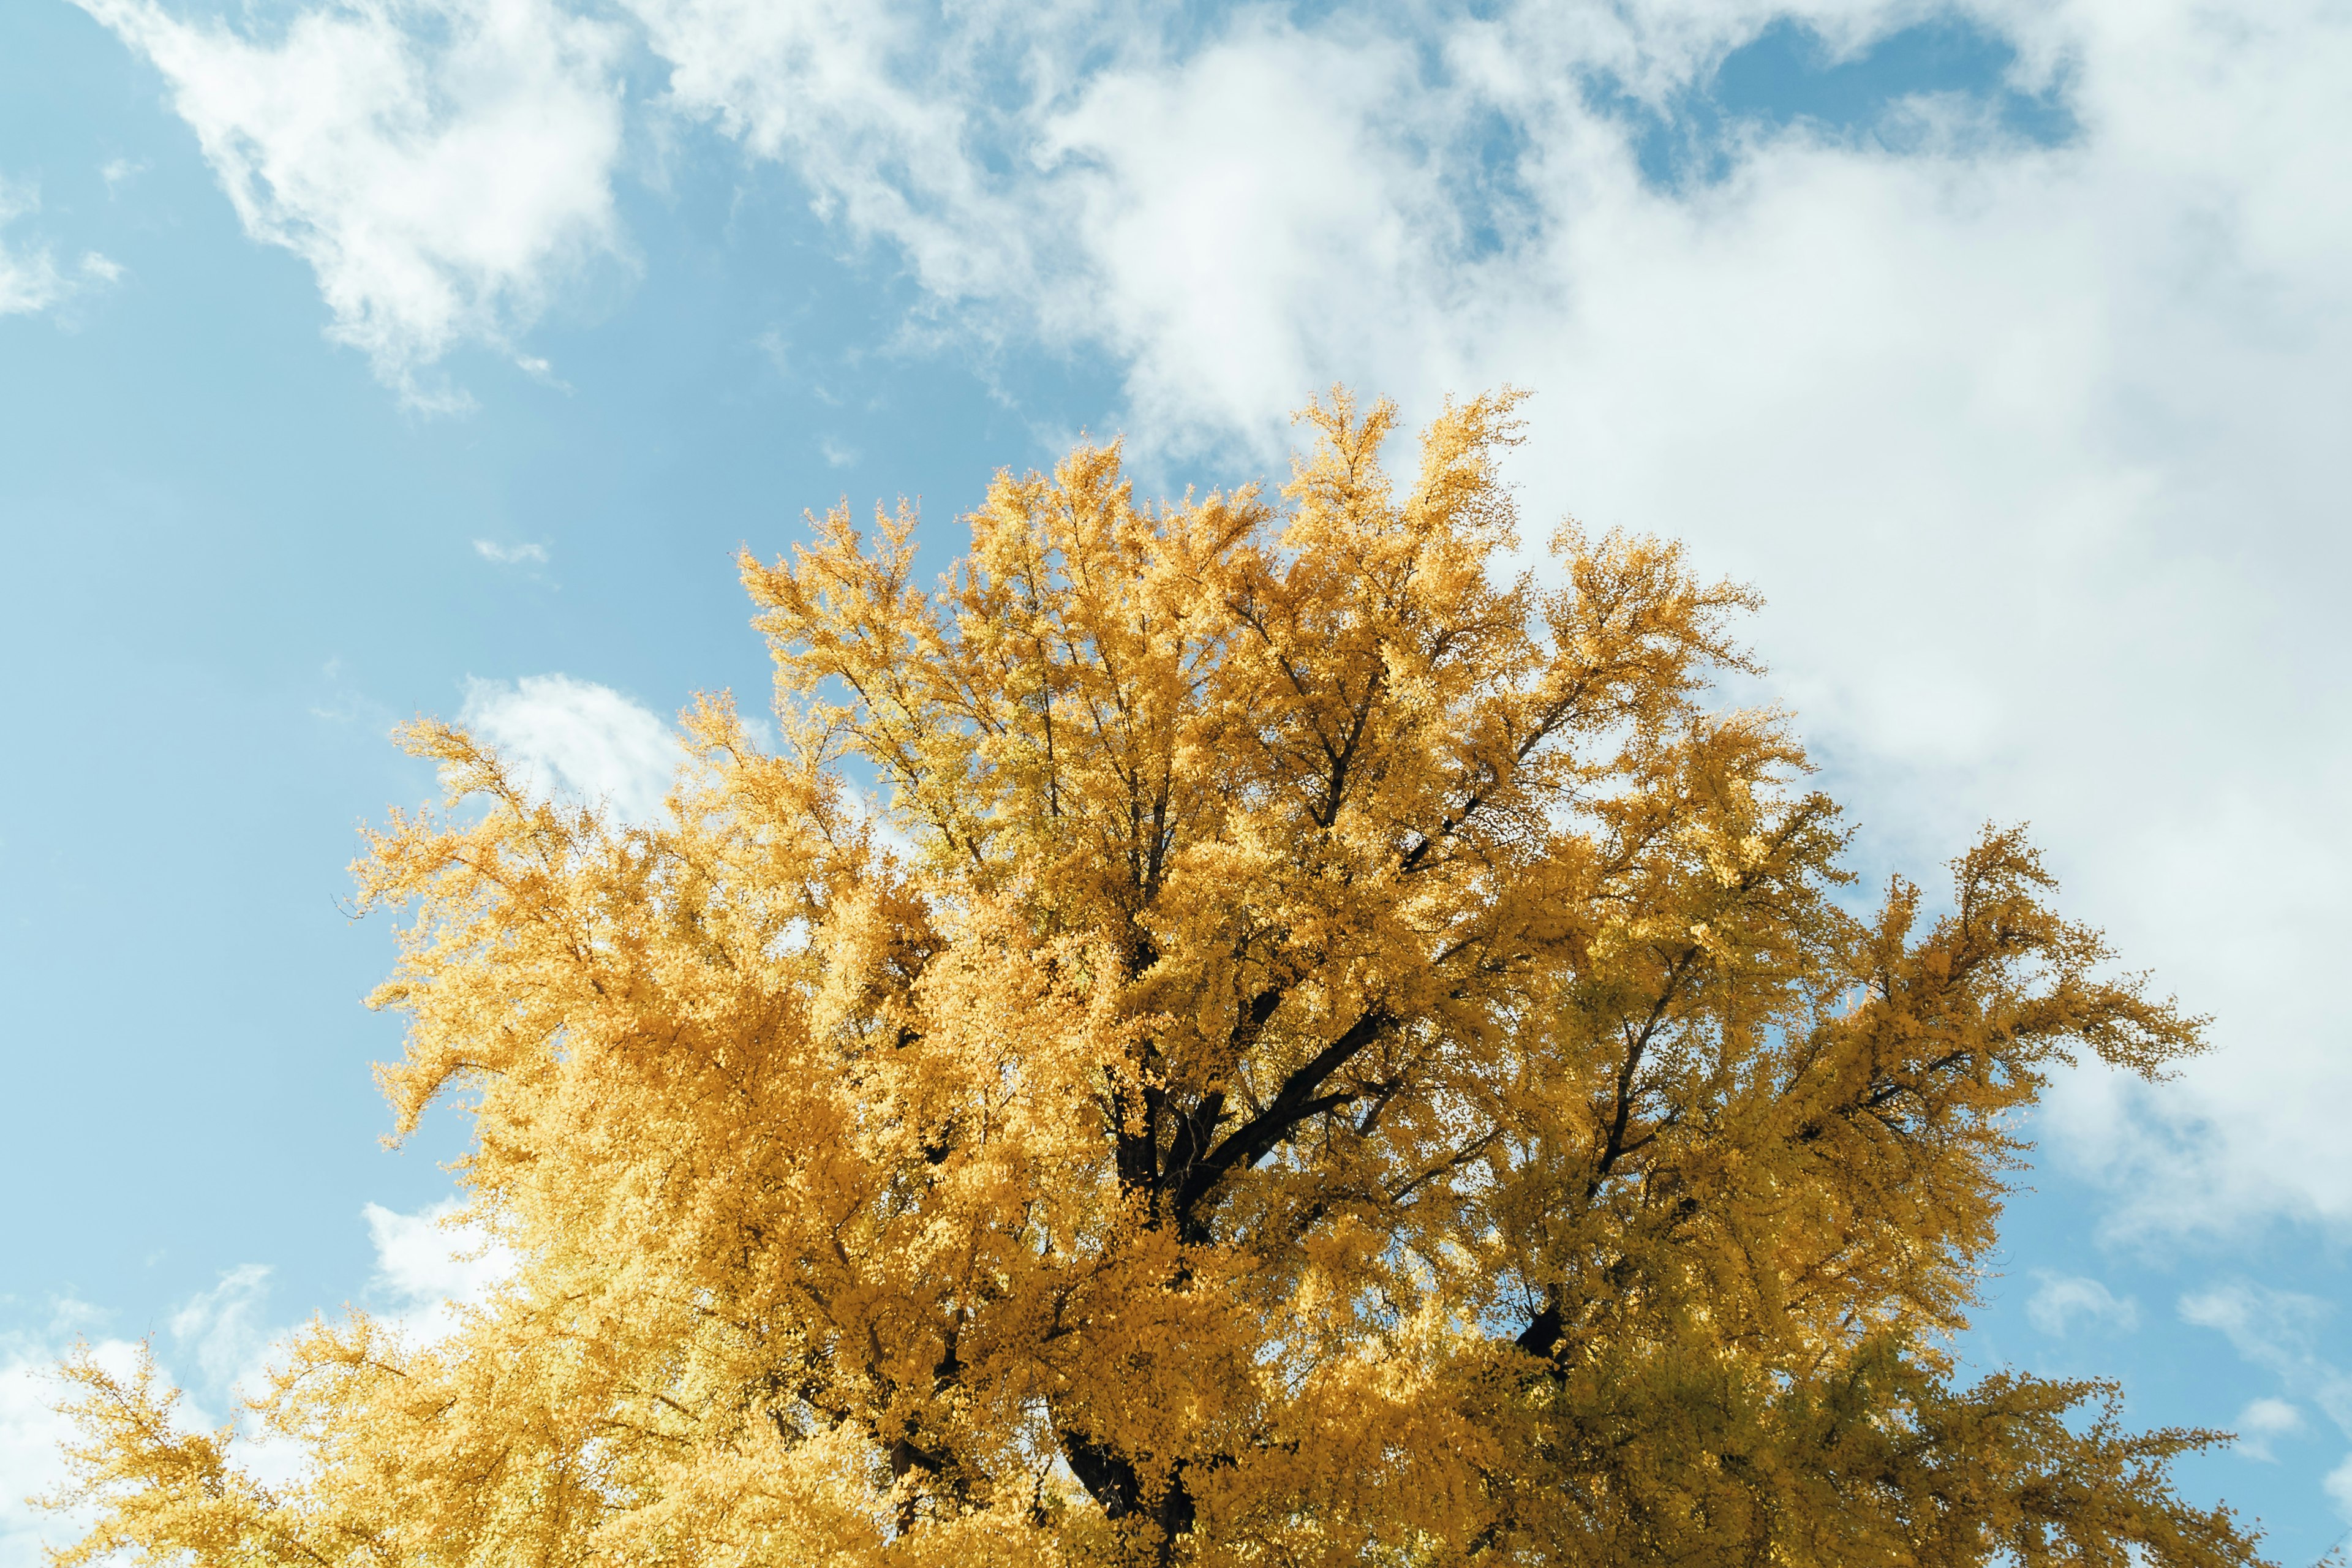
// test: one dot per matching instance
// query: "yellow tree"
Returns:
(1322, 1055)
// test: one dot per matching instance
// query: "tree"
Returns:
(1325, 1057)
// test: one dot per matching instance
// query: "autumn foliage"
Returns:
(1313, 1053)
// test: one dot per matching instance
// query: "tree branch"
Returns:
(1296, 1103)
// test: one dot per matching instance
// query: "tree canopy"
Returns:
(1317, 1052)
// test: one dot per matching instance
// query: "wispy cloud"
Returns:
(439, 164)
(30, 279)
(27, 282)
(510, 554)
(119, 172)
(223, 1328)
(578, 737)
(2282, 1331)
(2279, 1330)
(2262, 1420)
(888, 110)
(430, 1266)
(2063, 1300)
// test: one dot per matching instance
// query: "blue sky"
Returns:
(435, 355)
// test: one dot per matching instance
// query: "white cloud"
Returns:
(2338, 1487)
(30, 1464)
(30, 280)
(2262, 1420)
(31, 1429)
(223, 1328)
(2278, 1330)
(2035, 451)
(891, 113)
(1277, 196)
(431, 1267)
(439, 164)
(578, 736)
(2063, 1300)
(499, 554)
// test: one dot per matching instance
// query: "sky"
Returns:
(365, 358)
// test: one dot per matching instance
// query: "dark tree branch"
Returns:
(1543, 1332)
(1198, 1128)
(1297, 1101)
(1494, 777)
(1478, 1147)
(1111, 1479)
